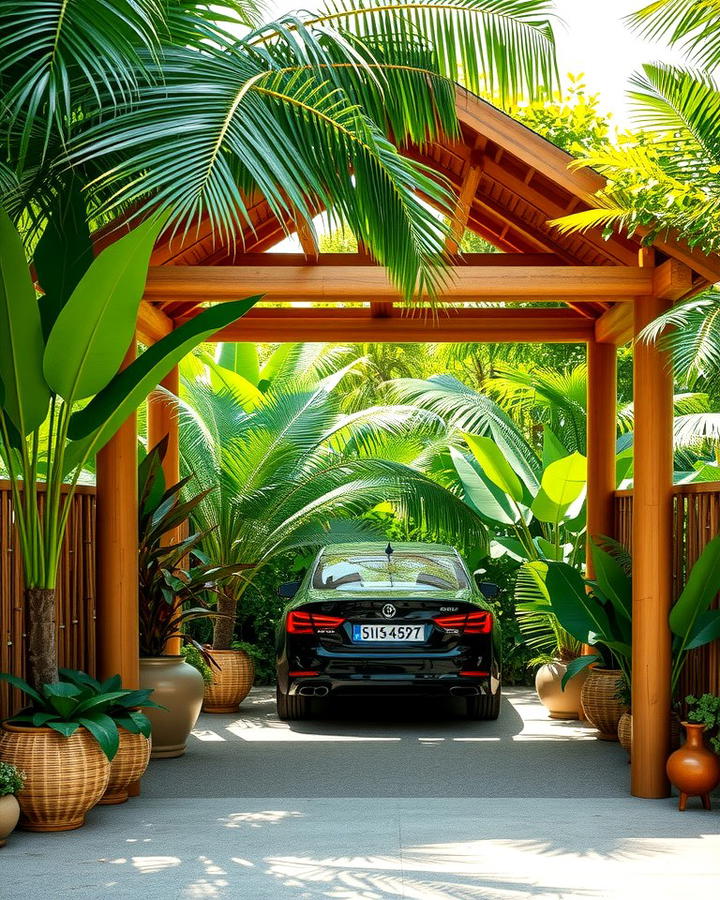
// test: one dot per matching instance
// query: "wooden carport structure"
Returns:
(573, 288)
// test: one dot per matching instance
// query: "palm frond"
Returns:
(693, 25)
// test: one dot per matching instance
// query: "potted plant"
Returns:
(556, 648)
(174, 578)
(63, 392)
(694, 769)
(596, 612)
(134, 730)
(11, 783)
(65, 741)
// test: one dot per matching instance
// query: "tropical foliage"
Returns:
(174, 575)
(283, 469)
(79, 701)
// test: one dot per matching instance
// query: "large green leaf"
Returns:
(613, 581)
(705, 629)
(26, 394)
(494, 465)
(63, 253)
(480, 492)
(563, 483)
(93, 330)
(104, 730)
(577, 611)
(552, 448)
(241, 358)
(90, 428)
(575, 666)
(702, 585)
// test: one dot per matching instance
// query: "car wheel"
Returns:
(486, 707)
(292, 707)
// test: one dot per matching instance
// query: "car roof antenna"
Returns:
(389, 551)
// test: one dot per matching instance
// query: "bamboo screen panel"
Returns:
(75, 597)
(696, 520)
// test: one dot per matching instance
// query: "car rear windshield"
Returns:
(402, 572)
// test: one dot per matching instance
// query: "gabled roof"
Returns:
(519, 181)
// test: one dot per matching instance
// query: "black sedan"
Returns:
(370, 619)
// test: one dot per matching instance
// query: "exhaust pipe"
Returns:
(308, 690)
(462, 691)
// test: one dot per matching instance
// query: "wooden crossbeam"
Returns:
(467, 192)
(616, 325)
(152, 323)
(359, 325)
(359, 283)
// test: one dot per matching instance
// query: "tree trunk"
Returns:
(224, 627)
(42, 643)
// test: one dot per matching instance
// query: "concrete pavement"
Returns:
(371, 806)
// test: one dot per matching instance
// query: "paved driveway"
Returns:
(380, 804)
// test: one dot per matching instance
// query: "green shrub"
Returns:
(12, 780)
(194, 658)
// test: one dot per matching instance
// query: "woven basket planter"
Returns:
(65, 776)
(602, 708)
(129, 765)
(231, 682)
(624, 732)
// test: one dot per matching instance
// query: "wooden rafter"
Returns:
(360, 325)
(360, 283)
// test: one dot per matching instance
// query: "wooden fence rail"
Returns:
(696, 515)
(75, 593)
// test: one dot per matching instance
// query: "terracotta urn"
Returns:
(64, 776)
(177, 686)
(694, 769)
(9, 815)
(560, 704)
(127, 766)
(600, 703)
(232, 680)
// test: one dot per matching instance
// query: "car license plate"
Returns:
(388, 633)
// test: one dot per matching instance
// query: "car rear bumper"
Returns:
(386, 686)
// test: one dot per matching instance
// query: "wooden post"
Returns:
(652, 558)
(117, 554)
(162, 412)
(601, 435)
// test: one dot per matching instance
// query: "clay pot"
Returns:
(561, 704)
(624, 732)
(694, 769)
(65, 777)
(231, 682)
(179, 687)
(127, 766)
(9, 815)
(601, 706)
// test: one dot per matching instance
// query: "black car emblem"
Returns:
(388, 611)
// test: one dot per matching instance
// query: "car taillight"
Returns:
(467, 623)
(301, 622)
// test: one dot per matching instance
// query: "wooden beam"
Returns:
(652, 558)
(616, 325)
(117, 553)
(162, 421)
(466, 195)
(601, 437)
(307, 241)
(341, 260)
(672, 280)
(152, 323)
(322, 283)
(359, 325)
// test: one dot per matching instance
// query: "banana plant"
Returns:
(64, 393)
(599, 611)
(535, 511)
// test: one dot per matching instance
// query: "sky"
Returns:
(591, 39)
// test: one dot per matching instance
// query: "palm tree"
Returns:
(288, 470)
(193, 108)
